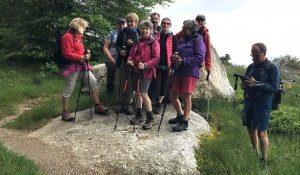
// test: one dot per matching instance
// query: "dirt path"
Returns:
(54, 160)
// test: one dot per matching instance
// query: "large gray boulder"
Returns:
(219, 83)
(125, 151)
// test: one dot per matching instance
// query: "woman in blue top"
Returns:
(190, 54)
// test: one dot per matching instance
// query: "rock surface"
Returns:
(125, 151)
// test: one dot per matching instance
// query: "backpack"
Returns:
(58, 58)
(276, 99)
(112, 35)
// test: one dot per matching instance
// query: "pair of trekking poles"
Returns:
(81, 85)
(128, 71)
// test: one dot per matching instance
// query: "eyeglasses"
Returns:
(255, 55)
(200, 19)
(166, 23)
(129, 21)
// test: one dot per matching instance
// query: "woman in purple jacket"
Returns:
(190, 54)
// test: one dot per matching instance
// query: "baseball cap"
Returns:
(121, 20)
(200, 16)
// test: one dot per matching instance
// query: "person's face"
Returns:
(155, 20)
(166, 25)
(186, 31)
(130, 23)
(145, 31)
(121, 26)
(201, 22)
(257, 55)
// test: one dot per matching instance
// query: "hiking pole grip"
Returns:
(207, 76)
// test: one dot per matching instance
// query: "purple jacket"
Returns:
(192, 51)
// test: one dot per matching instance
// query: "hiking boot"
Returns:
(138, 118)
(100, 109)
(184, 125)
(176, 120)
(118, 108)
(263, 162)
(149, 122)
(157, 108)
(129, 110)
(65, 116)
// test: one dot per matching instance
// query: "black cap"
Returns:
(121, 20)
(200, 16)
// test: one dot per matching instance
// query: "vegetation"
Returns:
(28, 29)
(227, 150)
(12, 163)
(225, 59)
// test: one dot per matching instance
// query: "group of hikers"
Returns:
(148, 57)
(143, 57)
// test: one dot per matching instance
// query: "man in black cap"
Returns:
(111, 54)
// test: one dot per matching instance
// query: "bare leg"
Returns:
(253, 138)
(138, 100)
(160, 98)
(147, 102)
(95, 95)
(264, 143)
(65, 103)
(176, 102)
(187, 101)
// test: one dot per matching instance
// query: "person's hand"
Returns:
(130, 63)
(249, 82)
(111, 62)
(141, 65)
(208, 70)
(85, 57)
(129, 42)
(123, 53)
(174, 57)
(170, 72)
(243, 84)
(178, 62)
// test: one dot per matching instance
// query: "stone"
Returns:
(125, 151)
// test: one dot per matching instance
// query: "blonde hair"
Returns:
(132, 16)
(78, 24)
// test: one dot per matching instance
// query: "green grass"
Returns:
(227, 150)
(12, 163)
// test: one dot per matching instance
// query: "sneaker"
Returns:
(157, 108)
(184, 125)
(65, 116)
(176, 120)
(149, 123)
(129, 110)
(100, 109)
(137, 119)
(118, 108)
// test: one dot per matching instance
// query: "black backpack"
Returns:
(58, 58)
(276, 100)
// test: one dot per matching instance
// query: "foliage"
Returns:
(227, 149)
(288, 61)
(28, 29)
(225, 59)
(12, 163)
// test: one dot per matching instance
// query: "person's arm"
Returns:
(107, 52)
(67, 47)
(155, 54)
(119, 42)
(273, 81)
(207, 53)
(198, 55)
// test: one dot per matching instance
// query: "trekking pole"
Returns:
(123, 93)
(89, 88)
(136, 93)
(207, 93)
(167, 95)
(81, 84)
(119, 110)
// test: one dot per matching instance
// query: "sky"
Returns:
(234, 25)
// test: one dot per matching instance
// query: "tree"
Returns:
(225, 59)
(29, 27)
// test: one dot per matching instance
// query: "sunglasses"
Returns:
(166, 23)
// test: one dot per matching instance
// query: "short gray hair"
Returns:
(192, 25)
(146, 23)
(262, 47)
(166, 18)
